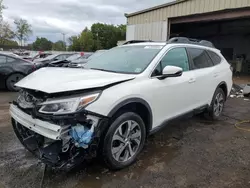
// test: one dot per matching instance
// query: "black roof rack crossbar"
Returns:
(186, 40)
(136, 41)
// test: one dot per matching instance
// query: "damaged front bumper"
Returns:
(48, 130)
(52, 140)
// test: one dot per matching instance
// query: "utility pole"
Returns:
(64, 41)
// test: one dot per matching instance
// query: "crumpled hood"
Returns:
(55, 80)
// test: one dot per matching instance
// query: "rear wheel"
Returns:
(124, 140)
(12, 80)
(217, 105)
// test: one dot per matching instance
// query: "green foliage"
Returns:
(6, 34)
(42, 44)
(12, 43)
(23, 30)
(100, 36)
(86, 40)
(74, 43)
(59, 46)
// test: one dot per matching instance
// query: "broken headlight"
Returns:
(66, 106)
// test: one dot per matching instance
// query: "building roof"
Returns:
(155, 8)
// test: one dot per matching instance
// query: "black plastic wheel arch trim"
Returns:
(134, 100)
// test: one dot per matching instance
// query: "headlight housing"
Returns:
(67, 105)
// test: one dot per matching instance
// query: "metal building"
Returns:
(224, 22)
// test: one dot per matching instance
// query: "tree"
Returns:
(59, 46)
(101, 36)
(2, 7)
(6, 34)
(42, 44)
(23, 30)
(86, 40)
(108, 35)
(74, 43)
(121, 29)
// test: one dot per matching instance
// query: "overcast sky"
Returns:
(49, 18)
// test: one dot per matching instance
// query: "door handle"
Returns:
(192, 80)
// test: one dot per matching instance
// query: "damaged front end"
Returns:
(61, 140)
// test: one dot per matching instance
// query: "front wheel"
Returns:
(124, 141)
(217, 104)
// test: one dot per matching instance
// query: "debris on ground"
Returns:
(246, 90)
(105, 171)
(238, 91)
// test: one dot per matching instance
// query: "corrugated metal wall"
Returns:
(186, 8)
(156, 31)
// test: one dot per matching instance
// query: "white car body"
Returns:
(165, 99)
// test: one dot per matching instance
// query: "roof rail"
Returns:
(186, 40)
(136, 41)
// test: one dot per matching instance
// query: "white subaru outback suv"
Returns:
(65, 116)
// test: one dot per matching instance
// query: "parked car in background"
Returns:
(78, 63)
(44, 62)
(72, 58)
(10, 53)
(40, 55)
(12, 70)
(22, 53)
(118, 99)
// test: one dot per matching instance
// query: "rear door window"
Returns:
(200, 58)
(215, 58)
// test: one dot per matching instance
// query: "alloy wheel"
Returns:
(126, 141)
(218, 104)
(13, 79)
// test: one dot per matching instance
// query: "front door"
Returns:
(173, 96)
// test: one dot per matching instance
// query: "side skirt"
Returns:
(179, 117)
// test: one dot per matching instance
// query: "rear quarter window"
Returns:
(200, 58)
(215, 58)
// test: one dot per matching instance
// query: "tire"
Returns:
(12, 80)
(120, 150)
(217, 104)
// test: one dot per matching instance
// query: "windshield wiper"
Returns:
(104, 70)
(97, 69)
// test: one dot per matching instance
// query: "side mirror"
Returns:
(171, 71)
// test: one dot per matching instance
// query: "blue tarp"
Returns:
(81, 135)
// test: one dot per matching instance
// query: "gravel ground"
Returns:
(188, 153)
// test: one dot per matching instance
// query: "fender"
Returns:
(223, 83)
(134, 100)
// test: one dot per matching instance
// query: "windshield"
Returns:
(50, 57)
(86, 56)
(97, 53)
(126, 59)
(73, 57)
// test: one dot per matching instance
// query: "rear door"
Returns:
(204, 70)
